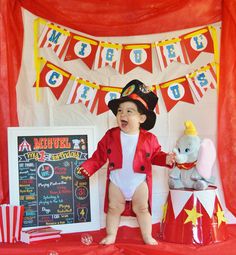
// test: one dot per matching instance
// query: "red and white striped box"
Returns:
(11, 219)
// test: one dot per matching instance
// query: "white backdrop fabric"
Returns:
(169, 126)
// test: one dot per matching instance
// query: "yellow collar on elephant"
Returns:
(186, 166)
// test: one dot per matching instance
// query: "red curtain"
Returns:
(226, 105)
(122, 18)
(11, 37)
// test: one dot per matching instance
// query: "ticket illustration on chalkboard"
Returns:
(50, 187)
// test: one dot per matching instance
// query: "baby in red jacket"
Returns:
(131, 151)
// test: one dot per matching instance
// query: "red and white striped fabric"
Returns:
(201, 80)
(55, 38)
(108, 54)
(11, 219)
(170, 51)
(83, 92)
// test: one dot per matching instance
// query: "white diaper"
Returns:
(125, 178)
(127, 186)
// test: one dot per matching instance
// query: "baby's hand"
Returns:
(170, 159)
(84, 172)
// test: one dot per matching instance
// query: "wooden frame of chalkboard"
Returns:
(44, 177)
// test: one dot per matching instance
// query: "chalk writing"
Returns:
(49, 187)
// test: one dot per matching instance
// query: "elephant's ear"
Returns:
(206, 158)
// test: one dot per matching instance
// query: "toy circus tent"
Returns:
(194, 217)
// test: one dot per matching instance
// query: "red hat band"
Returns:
(136, 97)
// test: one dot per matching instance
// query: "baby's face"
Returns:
(128, 118)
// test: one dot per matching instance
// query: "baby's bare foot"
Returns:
(109, 239)
(150, 240)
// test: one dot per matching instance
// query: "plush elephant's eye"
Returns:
(187, 150)
(179, 150)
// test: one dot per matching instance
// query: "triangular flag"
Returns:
(83, 92)
(137, 55)
(170, 51)
(196, 42)
(175, 91)
(55, 38)
(104, 95)
(54, 78)
(201, 80)
(83, 48)
(108, 54)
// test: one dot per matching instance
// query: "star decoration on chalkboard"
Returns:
(220, 216)
(193, 215)
(164, 211)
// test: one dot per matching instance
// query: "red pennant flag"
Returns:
(53, 77)
(197, 42)
(55, 38)
(109, 54)
(137, 55)
(201, 80)
(106, 94)
(83, 48)
(175, 91)
(84, 92)
(170, 51)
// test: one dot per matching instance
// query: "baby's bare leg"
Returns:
(140, 207)
(116, 207)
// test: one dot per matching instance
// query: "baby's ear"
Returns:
(143, 118)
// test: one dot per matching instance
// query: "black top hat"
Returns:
(145, 100)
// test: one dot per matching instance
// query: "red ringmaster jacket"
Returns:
(148, 153)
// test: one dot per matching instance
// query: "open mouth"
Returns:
(124, 123)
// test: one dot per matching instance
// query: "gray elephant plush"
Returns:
(194, 161)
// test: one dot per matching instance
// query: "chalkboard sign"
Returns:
(44, 177)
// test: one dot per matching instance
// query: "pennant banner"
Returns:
(53, 77)
(108, 54)
(170, 51)
(96, 97)
(137, 55)
(55, 38)
(83, 92)
(82, 48)
(104, 96)
(201, 80)
(175, 91)
(197, 42)
(125, 57)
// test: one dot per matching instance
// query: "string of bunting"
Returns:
(96, 96)
(123, 58)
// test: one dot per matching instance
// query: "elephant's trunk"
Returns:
(180, 158)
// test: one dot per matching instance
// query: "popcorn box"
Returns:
(39, 234)
(11, 219)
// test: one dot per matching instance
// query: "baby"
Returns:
(131, 151)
